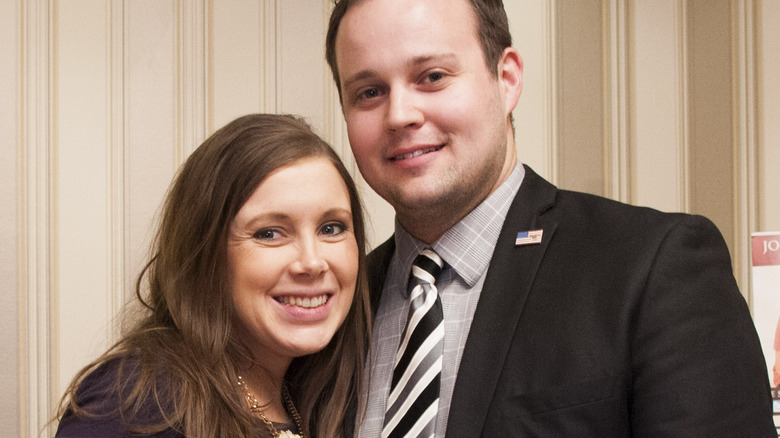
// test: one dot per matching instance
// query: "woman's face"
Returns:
(294, 261)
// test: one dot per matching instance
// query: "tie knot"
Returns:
(427, 266)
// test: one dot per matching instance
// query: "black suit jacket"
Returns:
(622, 322)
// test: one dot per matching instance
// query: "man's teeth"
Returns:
(417, 153)
(306, 302)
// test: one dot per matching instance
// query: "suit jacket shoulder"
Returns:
(623, 321)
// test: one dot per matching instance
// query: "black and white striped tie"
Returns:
(414, 392)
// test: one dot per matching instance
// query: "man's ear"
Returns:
(510, 74)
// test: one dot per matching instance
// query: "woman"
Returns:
(256, 311)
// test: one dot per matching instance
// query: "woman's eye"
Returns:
(333, 229)
(267, 234)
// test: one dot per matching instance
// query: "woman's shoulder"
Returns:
(103, 410)
(99, 391)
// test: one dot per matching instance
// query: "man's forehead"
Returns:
(387, 19)
(375, 11)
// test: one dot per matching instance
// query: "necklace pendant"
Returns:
(255, 408)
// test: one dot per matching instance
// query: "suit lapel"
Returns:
(378, 264)
(507, 284)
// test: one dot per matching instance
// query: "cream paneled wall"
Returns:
(667, 103)
(764, 156)
(11, 290)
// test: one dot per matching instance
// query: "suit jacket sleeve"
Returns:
(698, 366)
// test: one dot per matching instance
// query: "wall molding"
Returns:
(335, 127)
(552, 130)
(270, 70)
(193, 75)
(117, 251)
(746, 123)
(683, 114)
(36, 264)
(618, 100)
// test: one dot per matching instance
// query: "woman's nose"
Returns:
(310, 260)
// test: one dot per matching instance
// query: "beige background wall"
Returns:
(667, 103)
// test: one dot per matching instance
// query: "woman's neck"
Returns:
(266, 390)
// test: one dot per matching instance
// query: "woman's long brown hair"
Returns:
(181, 353)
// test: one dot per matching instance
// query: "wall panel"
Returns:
(658, 121)
(152, 150)
(580, 96)
(768, 94)
(710, 114)
(301, 57)
(533, 27)
(242, 59)
(81, 184)
(10, 225)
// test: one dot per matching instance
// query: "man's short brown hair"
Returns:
(492, 29)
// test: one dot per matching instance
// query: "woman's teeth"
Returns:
(307, 302)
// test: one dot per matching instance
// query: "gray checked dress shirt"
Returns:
(466, 249)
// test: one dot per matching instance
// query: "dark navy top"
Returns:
(98, 395)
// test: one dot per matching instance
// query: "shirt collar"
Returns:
(468, 246)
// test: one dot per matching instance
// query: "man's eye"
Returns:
(435, 76)
(369, 94)
(333, 229)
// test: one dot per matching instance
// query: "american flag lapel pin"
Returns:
(531, 237)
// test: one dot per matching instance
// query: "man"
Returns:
(564, 314)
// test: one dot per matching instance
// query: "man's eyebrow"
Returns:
(416, 61)
(447, 57)
(365, 74)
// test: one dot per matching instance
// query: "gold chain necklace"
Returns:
(255, 408)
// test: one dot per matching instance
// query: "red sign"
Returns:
(766, 249)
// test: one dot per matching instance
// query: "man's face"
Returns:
(426, 119)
